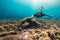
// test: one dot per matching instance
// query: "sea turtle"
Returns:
(29, 22)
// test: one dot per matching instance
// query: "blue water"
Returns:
(26, 8)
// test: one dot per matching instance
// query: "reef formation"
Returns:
(29, 29)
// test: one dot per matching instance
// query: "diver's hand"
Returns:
(50, 16)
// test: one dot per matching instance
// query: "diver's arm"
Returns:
(48, 15)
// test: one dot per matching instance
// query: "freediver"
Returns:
(40, 14)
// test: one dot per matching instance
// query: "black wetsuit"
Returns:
(40, 14)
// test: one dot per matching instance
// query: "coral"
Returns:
(12, 30)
